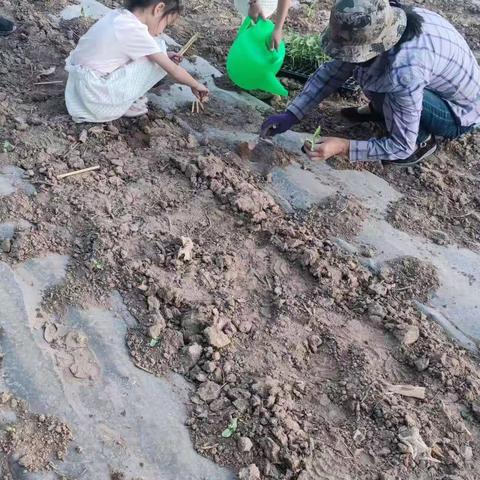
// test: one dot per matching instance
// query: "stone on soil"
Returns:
(6, 245)
(245, 444)
(192, 354)
(410, 335)
(249, 473)
(157, 328)
(422, 363)
(215, 337)
(209, 391)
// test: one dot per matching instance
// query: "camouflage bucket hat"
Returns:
(359, 30)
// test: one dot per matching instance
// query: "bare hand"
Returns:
(255, 11)
(326, 147)
(201, 92)
(175, 57)
(277, 36)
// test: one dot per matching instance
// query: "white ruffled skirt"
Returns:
(91, 97)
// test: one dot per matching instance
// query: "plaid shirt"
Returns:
(438, 60)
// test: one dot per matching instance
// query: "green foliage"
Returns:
(305, 50)
(6, 147)
(231, 429)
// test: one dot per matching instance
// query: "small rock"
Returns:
(156, 329)
(245, 444)
(249, 473)
(410, 335)
(153, 303)
(83, 136)
(200, 377)
(215, 337)
(271, 449)
(245, 327)
(227, 367)
(376, 310)
(186, 252)
(467, 453)
(314, 341)
(439, 237)
(209, 367)
(6, 245)
(366, 251)
(209, 391)
(193, 353)
(113, 129)
(422, 363)
(358, 436)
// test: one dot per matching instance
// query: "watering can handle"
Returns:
(247, 23)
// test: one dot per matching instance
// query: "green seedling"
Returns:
(305, 50)
(231, 429)
(154, 341)
(7, 147)
(98, 265)
(316, 135)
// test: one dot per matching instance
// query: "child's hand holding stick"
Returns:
(176, 58)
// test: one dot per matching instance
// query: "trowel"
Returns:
(264, 144)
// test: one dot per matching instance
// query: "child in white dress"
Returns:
(120, 59)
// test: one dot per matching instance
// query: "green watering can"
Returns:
(251, 64)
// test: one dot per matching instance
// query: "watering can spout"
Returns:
(251, 64)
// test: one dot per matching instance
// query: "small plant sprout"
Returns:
(98, 264)
(154, 341)
(316, 135)
(7, 147)
(231, 429)
(305, 50)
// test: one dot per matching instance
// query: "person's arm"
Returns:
(325, 81)
(281, 15)
(179, 74)
(402, 113)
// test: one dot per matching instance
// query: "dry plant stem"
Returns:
(78, 172)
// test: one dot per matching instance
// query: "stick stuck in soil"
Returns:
(78, 172)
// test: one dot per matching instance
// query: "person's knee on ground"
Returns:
(6, 27)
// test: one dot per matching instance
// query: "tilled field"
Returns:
(302, 363)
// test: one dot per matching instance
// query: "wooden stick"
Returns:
(77, 172)
(51, 82)
(407, 391)
(187, 46)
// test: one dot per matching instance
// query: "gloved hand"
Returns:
(279, 123)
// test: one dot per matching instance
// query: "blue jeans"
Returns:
(437, 117)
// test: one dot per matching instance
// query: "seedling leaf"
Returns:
(231, 429)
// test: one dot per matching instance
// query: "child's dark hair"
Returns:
(171, 6)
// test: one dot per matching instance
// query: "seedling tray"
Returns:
(303, 73)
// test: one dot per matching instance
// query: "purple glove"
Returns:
(279, 123)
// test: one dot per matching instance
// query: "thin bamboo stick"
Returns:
(78, 172)
(187, 46)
